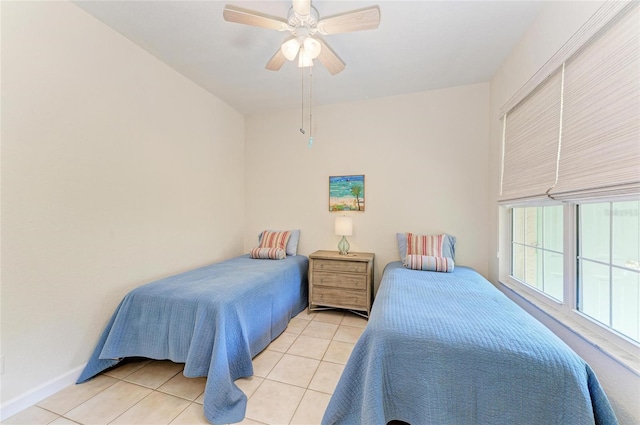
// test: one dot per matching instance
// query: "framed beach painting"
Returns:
(346, 193)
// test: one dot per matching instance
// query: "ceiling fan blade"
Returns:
(302, 7)
(329, 59)
(250, 17)
(357, 20)
(276, 62)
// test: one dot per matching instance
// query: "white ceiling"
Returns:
(419, 45)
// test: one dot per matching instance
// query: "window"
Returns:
(536, 253)
(609, 265)
(571, 136)
(597, 276)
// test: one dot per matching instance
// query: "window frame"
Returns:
(566, 311)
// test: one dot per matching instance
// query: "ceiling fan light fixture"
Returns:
(304, 59)
(312, 47)
(290, 48)
(304, 25)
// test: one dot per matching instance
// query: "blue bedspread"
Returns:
(450, 348)
(213, 319)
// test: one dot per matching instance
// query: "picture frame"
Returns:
(346, 193)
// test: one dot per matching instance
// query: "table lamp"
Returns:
(343, 227)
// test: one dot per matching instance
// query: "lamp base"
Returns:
(343, 246)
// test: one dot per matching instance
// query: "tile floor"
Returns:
(292, 383)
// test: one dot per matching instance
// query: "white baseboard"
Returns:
(39, 393)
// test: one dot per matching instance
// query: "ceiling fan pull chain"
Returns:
(310, 107)
(302, 103)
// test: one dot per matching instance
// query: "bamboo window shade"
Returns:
(600, 154)
(576, 136)
(531, 131)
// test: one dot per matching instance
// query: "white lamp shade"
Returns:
(290, 48)
(344, 226)
(312, 47)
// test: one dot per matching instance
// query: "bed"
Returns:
(213, 319)
(450, 348)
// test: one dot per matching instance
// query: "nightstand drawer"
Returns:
(340, 280)
(335, 296)
(340, 266)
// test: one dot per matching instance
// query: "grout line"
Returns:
(181, 412)
(45, 409)
(298, 406)
(333, 362)
(256, 390)
(69, 419)
(142, 386)
(249, 398)
(291, 345)
(135, 404)
(285, 383)
(179, 396)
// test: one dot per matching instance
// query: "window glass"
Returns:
(517, 262)
(595, 293)
(608, 259)
(553, 228)
(518, 225)
(553, 276)
(533, 267)
(625, 303)
(594, 228)
(537, 248)
(533, 227)
(626, 234)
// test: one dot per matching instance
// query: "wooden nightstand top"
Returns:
(335, 255)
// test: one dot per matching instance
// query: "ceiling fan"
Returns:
(305, 27)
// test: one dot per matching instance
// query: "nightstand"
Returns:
(341, 281)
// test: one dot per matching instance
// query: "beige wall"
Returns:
(555, 24)
(116, 170)
(425, 159)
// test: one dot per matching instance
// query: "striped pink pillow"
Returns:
(268, 253)
(275, 239)
(429, 263)
(430, 245)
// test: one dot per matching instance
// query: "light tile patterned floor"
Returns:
(292, 383)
